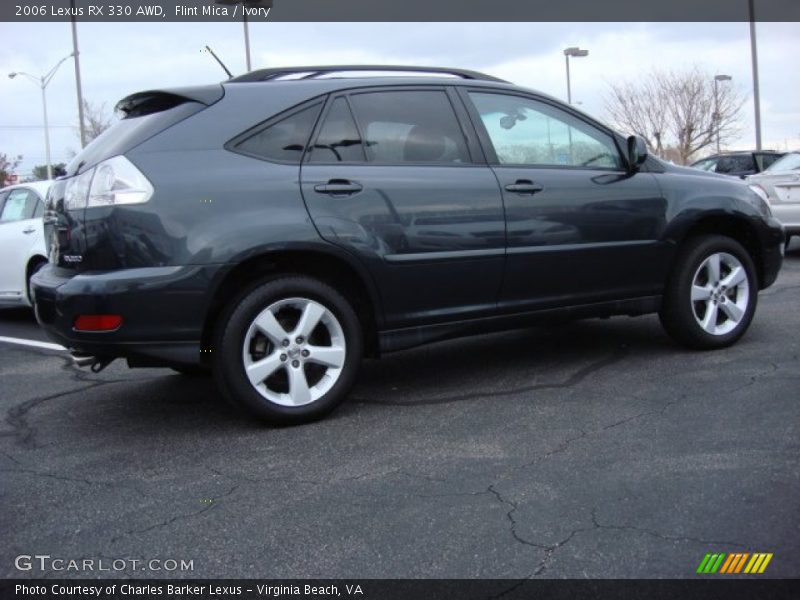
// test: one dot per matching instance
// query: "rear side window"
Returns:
(409, 127)
(284, 140)
(20, 204)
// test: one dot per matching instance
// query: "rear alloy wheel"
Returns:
(289, 350)
(711, 298)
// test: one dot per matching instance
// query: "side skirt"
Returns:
(410, 337)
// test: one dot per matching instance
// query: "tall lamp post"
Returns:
(574, 52)
(42, 83)
(754, 57)
(717, 116)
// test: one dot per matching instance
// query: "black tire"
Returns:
(228, 351)
(35, 268)
(679, 314)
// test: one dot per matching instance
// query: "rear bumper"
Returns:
(162, 309)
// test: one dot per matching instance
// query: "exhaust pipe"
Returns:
(95, 364)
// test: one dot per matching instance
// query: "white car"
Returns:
(779, 185)
(22, 247)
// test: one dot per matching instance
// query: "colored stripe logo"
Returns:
(741, 562)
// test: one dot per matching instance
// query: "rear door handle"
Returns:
(524, 186)
(29, 230)
(339, 187)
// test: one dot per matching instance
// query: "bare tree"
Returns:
(96, 120)
(676, 109)
(7, 166)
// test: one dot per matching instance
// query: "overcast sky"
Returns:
(120, 58)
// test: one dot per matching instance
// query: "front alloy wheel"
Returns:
(720, 293)
(711, 295)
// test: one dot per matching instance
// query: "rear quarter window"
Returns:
(283, 140)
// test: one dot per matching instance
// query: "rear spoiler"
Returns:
(152, 101)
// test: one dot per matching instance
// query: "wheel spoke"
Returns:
(269, 326)
(732, 310)
(709, 322)
(330, 356)
(700, 293)
(260, 370)
(734, 278)
(713, 268)
(298, 386)
(312, 313)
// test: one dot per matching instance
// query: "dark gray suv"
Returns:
(278, 227)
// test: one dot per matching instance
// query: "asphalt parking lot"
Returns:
(598, 449)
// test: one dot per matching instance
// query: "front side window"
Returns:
(526, 132)
(414, 126)
(20, 204)
(283, 141)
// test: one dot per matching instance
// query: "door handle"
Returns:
(339, 187)
(29, 230)
(524, 186)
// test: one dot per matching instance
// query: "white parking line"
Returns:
(34, 343)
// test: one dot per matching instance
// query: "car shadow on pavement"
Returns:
(420, 376)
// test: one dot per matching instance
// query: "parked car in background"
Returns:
(22, 246)
(277, 227)
(738, 164)
(779, 185)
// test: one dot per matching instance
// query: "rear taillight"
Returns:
(98, 322)
(112, 182)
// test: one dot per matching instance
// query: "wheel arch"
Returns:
(335, 267)
(33, 261)
(737, 227)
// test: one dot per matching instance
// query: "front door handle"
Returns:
(524, 186)
(29, 230)
(339, 187)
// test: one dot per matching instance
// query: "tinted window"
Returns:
(285, 140)
(526, 132)
(410, 126)
(736, 164)
(338, 139)
(20, 204)
(767, 160)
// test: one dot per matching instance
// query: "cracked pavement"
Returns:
(595, 449)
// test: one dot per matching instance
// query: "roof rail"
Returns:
(313, 72)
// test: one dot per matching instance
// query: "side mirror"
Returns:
(637, 153)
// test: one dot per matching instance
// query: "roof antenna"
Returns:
(221, 64)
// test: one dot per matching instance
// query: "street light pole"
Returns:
(717, 116)
(42, 83)
(76, 54)
(576, 52)
(754, 56)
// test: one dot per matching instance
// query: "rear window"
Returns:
(789, 162)
(128, 133)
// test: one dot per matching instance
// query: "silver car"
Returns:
(779, 185)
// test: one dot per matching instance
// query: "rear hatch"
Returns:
(74, 232)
